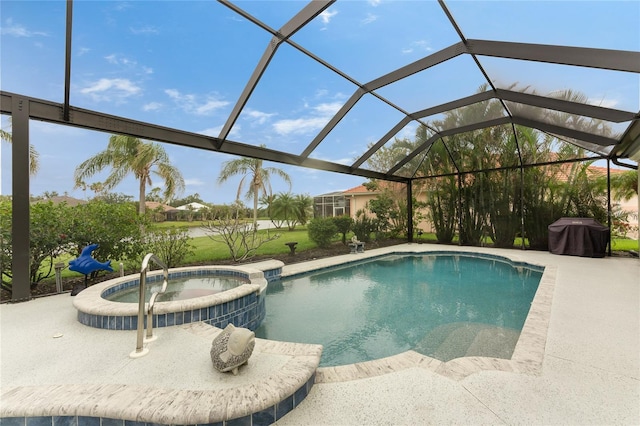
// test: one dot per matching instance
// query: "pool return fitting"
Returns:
(141, 339)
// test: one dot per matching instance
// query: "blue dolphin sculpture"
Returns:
(85, 264)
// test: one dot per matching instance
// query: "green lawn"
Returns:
(207, 250)
(617, 244)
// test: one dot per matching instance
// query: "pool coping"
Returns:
(527, 356)
(90, 300)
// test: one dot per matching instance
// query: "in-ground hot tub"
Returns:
(243, 305)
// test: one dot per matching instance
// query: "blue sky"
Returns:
(184, 64)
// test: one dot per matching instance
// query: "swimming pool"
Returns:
(442, 305)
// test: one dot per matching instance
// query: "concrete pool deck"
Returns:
(589, 372)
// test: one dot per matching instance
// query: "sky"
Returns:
(184, 64)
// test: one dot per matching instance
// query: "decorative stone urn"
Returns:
(232, 348)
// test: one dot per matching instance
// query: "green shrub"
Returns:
(117, 228)
(343, 224)
(171, 245)
(322, 230)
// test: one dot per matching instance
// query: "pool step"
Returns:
(450, 341)
(496, 342)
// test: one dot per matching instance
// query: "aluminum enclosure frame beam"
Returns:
(53, 113)
(20, 217)
(310, 11)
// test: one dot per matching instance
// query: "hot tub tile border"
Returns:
(245, 310)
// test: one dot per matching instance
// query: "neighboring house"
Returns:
(161, 211)
(332, 204)
(342, 203)
(192, 206)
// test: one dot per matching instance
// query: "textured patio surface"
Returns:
(587, 373)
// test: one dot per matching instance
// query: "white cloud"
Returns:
(194, 104)
(152, 106)
(326, 16)
(128, 64)
(83, 50)
(16, 30)
(328, 109)
(421, 45)
(210, 106)
(299, 125)
(211, 131)
(374, 3)
(369, 19)
(120, 6)
(146, 30)
(112, 59)
(319, 116)
(109, 89)
(256, 117)
(194, 182)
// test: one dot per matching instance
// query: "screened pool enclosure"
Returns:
(493, 124)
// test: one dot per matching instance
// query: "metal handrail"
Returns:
(140, 349)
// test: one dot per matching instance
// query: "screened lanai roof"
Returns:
(400, 66)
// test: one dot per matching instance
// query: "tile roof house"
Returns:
(163, 211)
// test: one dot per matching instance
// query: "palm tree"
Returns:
(260, 179)
(625, 184)
(34, 165)
(126, 154)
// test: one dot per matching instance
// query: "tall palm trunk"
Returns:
(256, 188)
(142, 196)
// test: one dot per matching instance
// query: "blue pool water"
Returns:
(444, 306)
(180, 288)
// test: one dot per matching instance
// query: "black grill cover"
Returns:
(578, 236)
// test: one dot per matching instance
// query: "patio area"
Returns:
(590, 371)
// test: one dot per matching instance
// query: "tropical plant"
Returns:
(283, 208)
(252, 169)
(624, 185)
(127, 154)
(303, 208)
(34, 157)
(363, 226)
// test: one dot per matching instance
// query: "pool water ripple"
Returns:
(440, 305)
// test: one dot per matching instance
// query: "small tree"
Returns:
(343, 224)
(321, 230)
(242, 240)
(171, 245)
(283, 208)
(303, 208)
